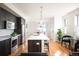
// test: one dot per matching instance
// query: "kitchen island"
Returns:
(38, 43)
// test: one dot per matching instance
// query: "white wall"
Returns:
(32, 26)
(70, 21)
(57, 25)
(50, 27)
(4, 32)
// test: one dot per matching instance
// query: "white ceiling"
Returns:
(49, 9)
(32, 10)
(9, 10)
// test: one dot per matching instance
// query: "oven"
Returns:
(14, 44)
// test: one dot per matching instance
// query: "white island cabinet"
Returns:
(40, 37)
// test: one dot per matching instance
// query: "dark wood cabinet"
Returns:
(19, 40)
(18, 29)
(6, 16)
(34, 45)
(18, 25)
(5, 47)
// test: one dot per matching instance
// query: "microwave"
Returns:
(9, 25)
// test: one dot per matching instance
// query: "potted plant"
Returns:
(14, 34)
(59, 34)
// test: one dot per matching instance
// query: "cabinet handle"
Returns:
(37, 43)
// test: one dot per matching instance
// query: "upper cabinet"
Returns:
(7, 19)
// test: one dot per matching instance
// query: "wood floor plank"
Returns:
(55, 48)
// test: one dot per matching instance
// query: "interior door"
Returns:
(34, 45)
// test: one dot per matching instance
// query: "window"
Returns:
(77, 20)
(76, 23)
(65, 26)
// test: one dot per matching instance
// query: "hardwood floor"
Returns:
(21, 49)
(55, 49)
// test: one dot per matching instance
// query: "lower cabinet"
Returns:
(5, 47)
(7, 44)
(19, 40)
(34, 45)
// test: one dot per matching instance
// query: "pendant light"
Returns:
(41, 15)
(41, 24)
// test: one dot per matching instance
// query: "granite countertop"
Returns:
(7, 37)
(41, 36)
(4, 37)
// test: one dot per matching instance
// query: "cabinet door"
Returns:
(5, 47)
(19, 40)
(34, 45)
(8, 47)
(2, 48)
